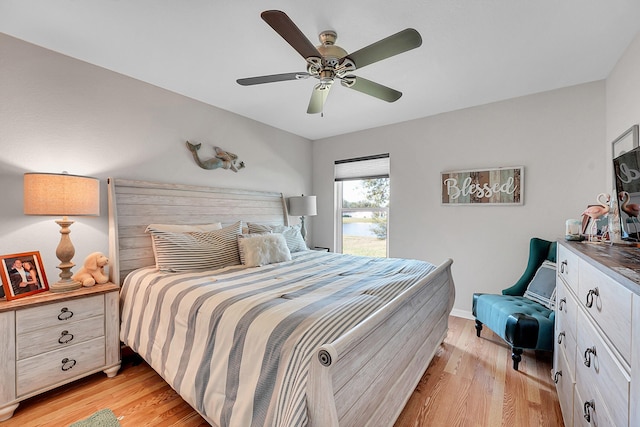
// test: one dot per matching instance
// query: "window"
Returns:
(362, 201)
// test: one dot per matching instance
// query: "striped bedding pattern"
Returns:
(236, 343)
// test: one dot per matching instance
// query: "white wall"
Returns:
(557, 136)
(57, 114)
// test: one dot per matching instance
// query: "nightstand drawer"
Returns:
(59, 336)
(59, 313)
(57, 366)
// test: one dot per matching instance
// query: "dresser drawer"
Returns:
(567, 267)
(567, 345)
(566, 310)
(564, 384)
(604, 380)
(58, 336)
(57, 366)
(598, 415)
(44, 316)
(609, 304)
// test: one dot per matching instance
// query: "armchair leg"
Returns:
(516, 356)
(478, 327)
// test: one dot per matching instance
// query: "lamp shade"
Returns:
(302, 205)
(61, 194)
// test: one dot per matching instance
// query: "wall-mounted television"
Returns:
(626, 170)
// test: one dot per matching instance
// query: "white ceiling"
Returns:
(473, 51)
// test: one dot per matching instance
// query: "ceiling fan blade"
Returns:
(393, 45)
(371, 88)
(284, 26)
(272, 78)
(318, 98)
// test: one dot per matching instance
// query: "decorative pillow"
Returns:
(263, 249)
(292, 235)
(542, 288)
(294, 239)
(180, 228)
(195, 250)
(247, 235)
(185, 228)
(260, 228)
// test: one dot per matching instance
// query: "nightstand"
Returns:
(51, 339)
(321, 249)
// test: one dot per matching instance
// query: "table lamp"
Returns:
(62, 194)
(302, 206)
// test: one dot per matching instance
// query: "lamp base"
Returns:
(65, 286)
(65, 252)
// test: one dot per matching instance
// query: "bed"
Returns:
(318, 339)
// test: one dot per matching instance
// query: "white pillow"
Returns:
(263, 249)
(542, 288)
(195, 250)
(244, 235)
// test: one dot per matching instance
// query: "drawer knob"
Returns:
(65, 314)
(590, 295)
(67, 364)
(588, 406)
(587, 356)
(556, 377)
(562, 303)
(65, 337)
(563, 266)
(560, 336)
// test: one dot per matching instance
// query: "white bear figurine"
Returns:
(92, 271)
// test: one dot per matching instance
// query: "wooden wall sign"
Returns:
(496, 186)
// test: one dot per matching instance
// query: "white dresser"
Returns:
(597, 334)
(51, 339)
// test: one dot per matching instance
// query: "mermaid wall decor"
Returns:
(222, 159)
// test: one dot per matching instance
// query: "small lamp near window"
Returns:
(302, 206)
(62, 194)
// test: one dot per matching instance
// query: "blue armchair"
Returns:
(522, 321)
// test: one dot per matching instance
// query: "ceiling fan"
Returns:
(328, 61)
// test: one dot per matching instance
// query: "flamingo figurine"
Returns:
(631, 209)
(594, 212)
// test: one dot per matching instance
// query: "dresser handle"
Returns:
(65, 337)
(587, 356)
(556, 377)
(68, 364)
(561, 304)
(65, 314)
(588, 406)
(590, 295)
(560, 336)
(563, 264)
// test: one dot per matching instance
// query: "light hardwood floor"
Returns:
(470, 382)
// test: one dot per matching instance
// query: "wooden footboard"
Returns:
(366, 376)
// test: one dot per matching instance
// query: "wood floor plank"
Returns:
(470, 382)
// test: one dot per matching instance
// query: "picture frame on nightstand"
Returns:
(22, 275)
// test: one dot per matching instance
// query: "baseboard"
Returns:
(465, 314)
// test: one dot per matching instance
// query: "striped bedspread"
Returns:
(236, 343)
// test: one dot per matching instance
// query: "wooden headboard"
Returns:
(133, 205)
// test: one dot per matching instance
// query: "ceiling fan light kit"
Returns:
(328, 61)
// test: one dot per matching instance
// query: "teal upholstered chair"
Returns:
(520, 316)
